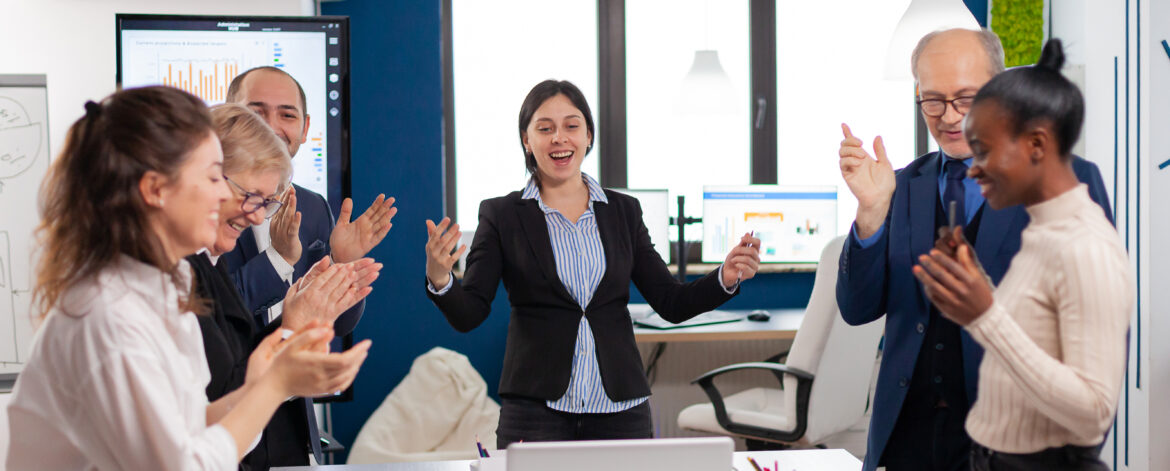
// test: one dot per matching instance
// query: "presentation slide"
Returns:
(793, 223)
(202, 57)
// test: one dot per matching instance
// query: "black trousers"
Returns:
(934, 440)
(1065, 458)
(531, 420)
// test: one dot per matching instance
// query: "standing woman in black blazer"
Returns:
(567, 251)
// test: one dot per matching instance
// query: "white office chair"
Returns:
(825, 380)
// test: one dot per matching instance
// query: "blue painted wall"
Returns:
(979, 8)
(396, 116)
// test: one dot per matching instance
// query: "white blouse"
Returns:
(116, 380)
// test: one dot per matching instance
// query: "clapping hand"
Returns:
(286, 227)
(302, 364)
(353, 240)
(955, 285)
(743, 261)
(327, 290)
(441, 253)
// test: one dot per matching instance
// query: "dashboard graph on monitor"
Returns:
(202, 55)
(793, 223)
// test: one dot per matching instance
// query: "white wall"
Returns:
(1095, 33)
(72, 41)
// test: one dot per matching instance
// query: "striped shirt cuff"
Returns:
(440, 292)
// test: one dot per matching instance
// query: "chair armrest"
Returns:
(758, 365)
(804, 381)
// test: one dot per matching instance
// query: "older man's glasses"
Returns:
(936, 107)
(255, 201)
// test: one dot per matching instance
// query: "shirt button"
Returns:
(938, 347)
(938, 380)
(902, 382)
(921, 327)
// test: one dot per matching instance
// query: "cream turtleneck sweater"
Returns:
(1055, 337)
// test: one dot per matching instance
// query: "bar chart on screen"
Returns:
(204, 63)
(208, 80)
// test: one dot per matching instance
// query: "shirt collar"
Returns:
(945, 158)
(531, 191)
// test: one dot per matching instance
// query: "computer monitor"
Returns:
(793, 223)
(656, 215)
(707, 453)
(202, 54)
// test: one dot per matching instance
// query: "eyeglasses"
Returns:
(254, 201)
(936, 107)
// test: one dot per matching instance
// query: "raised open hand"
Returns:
(871, 181)
(441, 240)
(353, 240)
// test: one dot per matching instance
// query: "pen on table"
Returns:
(482, 452)
(754, 465)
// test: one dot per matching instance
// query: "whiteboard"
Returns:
(24, 159)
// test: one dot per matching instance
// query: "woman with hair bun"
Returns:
(1054, 330)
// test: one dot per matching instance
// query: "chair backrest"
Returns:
(435, 413)
(840, 356)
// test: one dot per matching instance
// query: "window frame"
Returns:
(611, 44)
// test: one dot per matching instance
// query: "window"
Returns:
(829, 70)
(500, 50)
(681, 137)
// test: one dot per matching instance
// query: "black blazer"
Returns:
(512, 242)
(229, 337)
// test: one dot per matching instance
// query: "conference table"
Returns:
(785, 460)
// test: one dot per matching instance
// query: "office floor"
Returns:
(682, 362)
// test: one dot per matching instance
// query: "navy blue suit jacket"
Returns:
(259, 284)
(877, 281)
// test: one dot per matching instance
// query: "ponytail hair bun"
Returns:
(1039, 95)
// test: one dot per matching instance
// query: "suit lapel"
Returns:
(923, 197)
(536, 230)
(993, 228)
(607, 228)
(247, 243)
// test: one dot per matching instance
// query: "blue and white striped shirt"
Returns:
(580, 260)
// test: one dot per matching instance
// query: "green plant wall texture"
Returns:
(1020, 26)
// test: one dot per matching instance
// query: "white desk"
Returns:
(781, 326)
(788, 460)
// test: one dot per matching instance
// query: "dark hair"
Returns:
(1039, 93)
(91, 209)
(233, 93)
(536, 97)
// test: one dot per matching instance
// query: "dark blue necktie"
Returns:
(955, 171)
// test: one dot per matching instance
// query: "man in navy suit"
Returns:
(303, 232)
(929, 369)
(277, 252)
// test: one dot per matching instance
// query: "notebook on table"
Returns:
(708, 453)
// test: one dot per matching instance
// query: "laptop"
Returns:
(709, 453)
